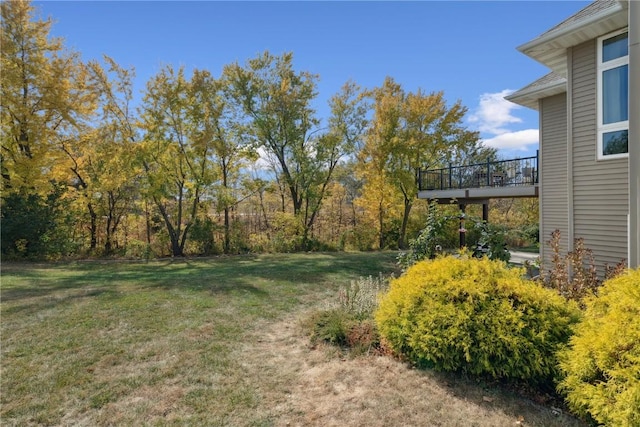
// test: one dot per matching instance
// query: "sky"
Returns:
(467, 49)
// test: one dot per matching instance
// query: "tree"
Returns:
(43, 97)
(45, 105)
(220, 119)
(176, 150)
(277, 101)
(410, 131)
(114, 177)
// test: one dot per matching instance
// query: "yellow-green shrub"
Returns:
(602, 362)
(477, 316)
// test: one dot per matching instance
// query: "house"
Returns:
(589, 115)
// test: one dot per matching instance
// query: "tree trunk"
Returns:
(227, 231)
(381, 225)
(408, 204)
(174, 234)
(93, 228)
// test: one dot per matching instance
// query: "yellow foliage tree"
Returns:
(44, 99)
(409, 131)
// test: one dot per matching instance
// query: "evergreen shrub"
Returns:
(476, 316)
(602, 363)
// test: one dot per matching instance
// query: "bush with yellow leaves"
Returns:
(476, 316)
(602, 363)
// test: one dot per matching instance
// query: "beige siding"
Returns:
(554, 209)
(600, 188)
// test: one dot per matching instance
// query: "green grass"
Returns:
(131, 343)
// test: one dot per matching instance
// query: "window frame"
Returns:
(601, 68)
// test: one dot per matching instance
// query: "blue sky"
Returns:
(465, 48)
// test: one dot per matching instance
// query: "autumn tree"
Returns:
(45, 104)
(410, 131)
(277, 101)
(219, 118)
(43, 96)
(109, 163)
(177, 149)
(383, 135)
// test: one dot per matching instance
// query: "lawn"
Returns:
(214, 341)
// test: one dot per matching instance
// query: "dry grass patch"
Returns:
(302, 384)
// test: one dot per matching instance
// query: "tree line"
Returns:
(207, 164)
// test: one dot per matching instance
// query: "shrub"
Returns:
(349, 323)
(138, 250)
(492, 241)
(362, 336)
(574, 275)
(36, 226)
(339, 327)
(331, 326)
(201, 236)
(429, 242)
(476, 316)
(602, 362)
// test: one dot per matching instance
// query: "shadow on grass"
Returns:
(252, 274)
(40, 301)
(526, 404)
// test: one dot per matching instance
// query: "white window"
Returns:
(613, 95)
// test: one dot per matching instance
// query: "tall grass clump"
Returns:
(476, 316)
(602, 363)
(348, 321)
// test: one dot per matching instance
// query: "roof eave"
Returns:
(550, 48)
(529, 98)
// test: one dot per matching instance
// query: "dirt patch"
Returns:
(300, 385)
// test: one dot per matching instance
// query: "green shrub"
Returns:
(331, 326)
(137, 249)
(491, 241)
(36, 226)
(476, 316)
(602, 362)
(339, 327)
(430, 240)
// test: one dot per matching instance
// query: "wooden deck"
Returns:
(480, 182)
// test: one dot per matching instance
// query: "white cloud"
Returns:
(494, 117)
(518, 140)
(494, 112)
(264, 160)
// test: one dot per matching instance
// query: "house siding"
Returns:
(554, 209)
(600, 188)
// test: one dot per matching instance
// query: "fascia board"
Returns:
(568, 30)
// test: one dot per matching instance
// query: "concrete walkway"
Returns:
(521, 257)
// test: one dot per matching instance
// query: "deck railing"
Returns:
(501, 173)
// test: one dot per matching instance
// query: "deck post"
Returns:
(463, 231)
(485, 212)
(450, 176)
